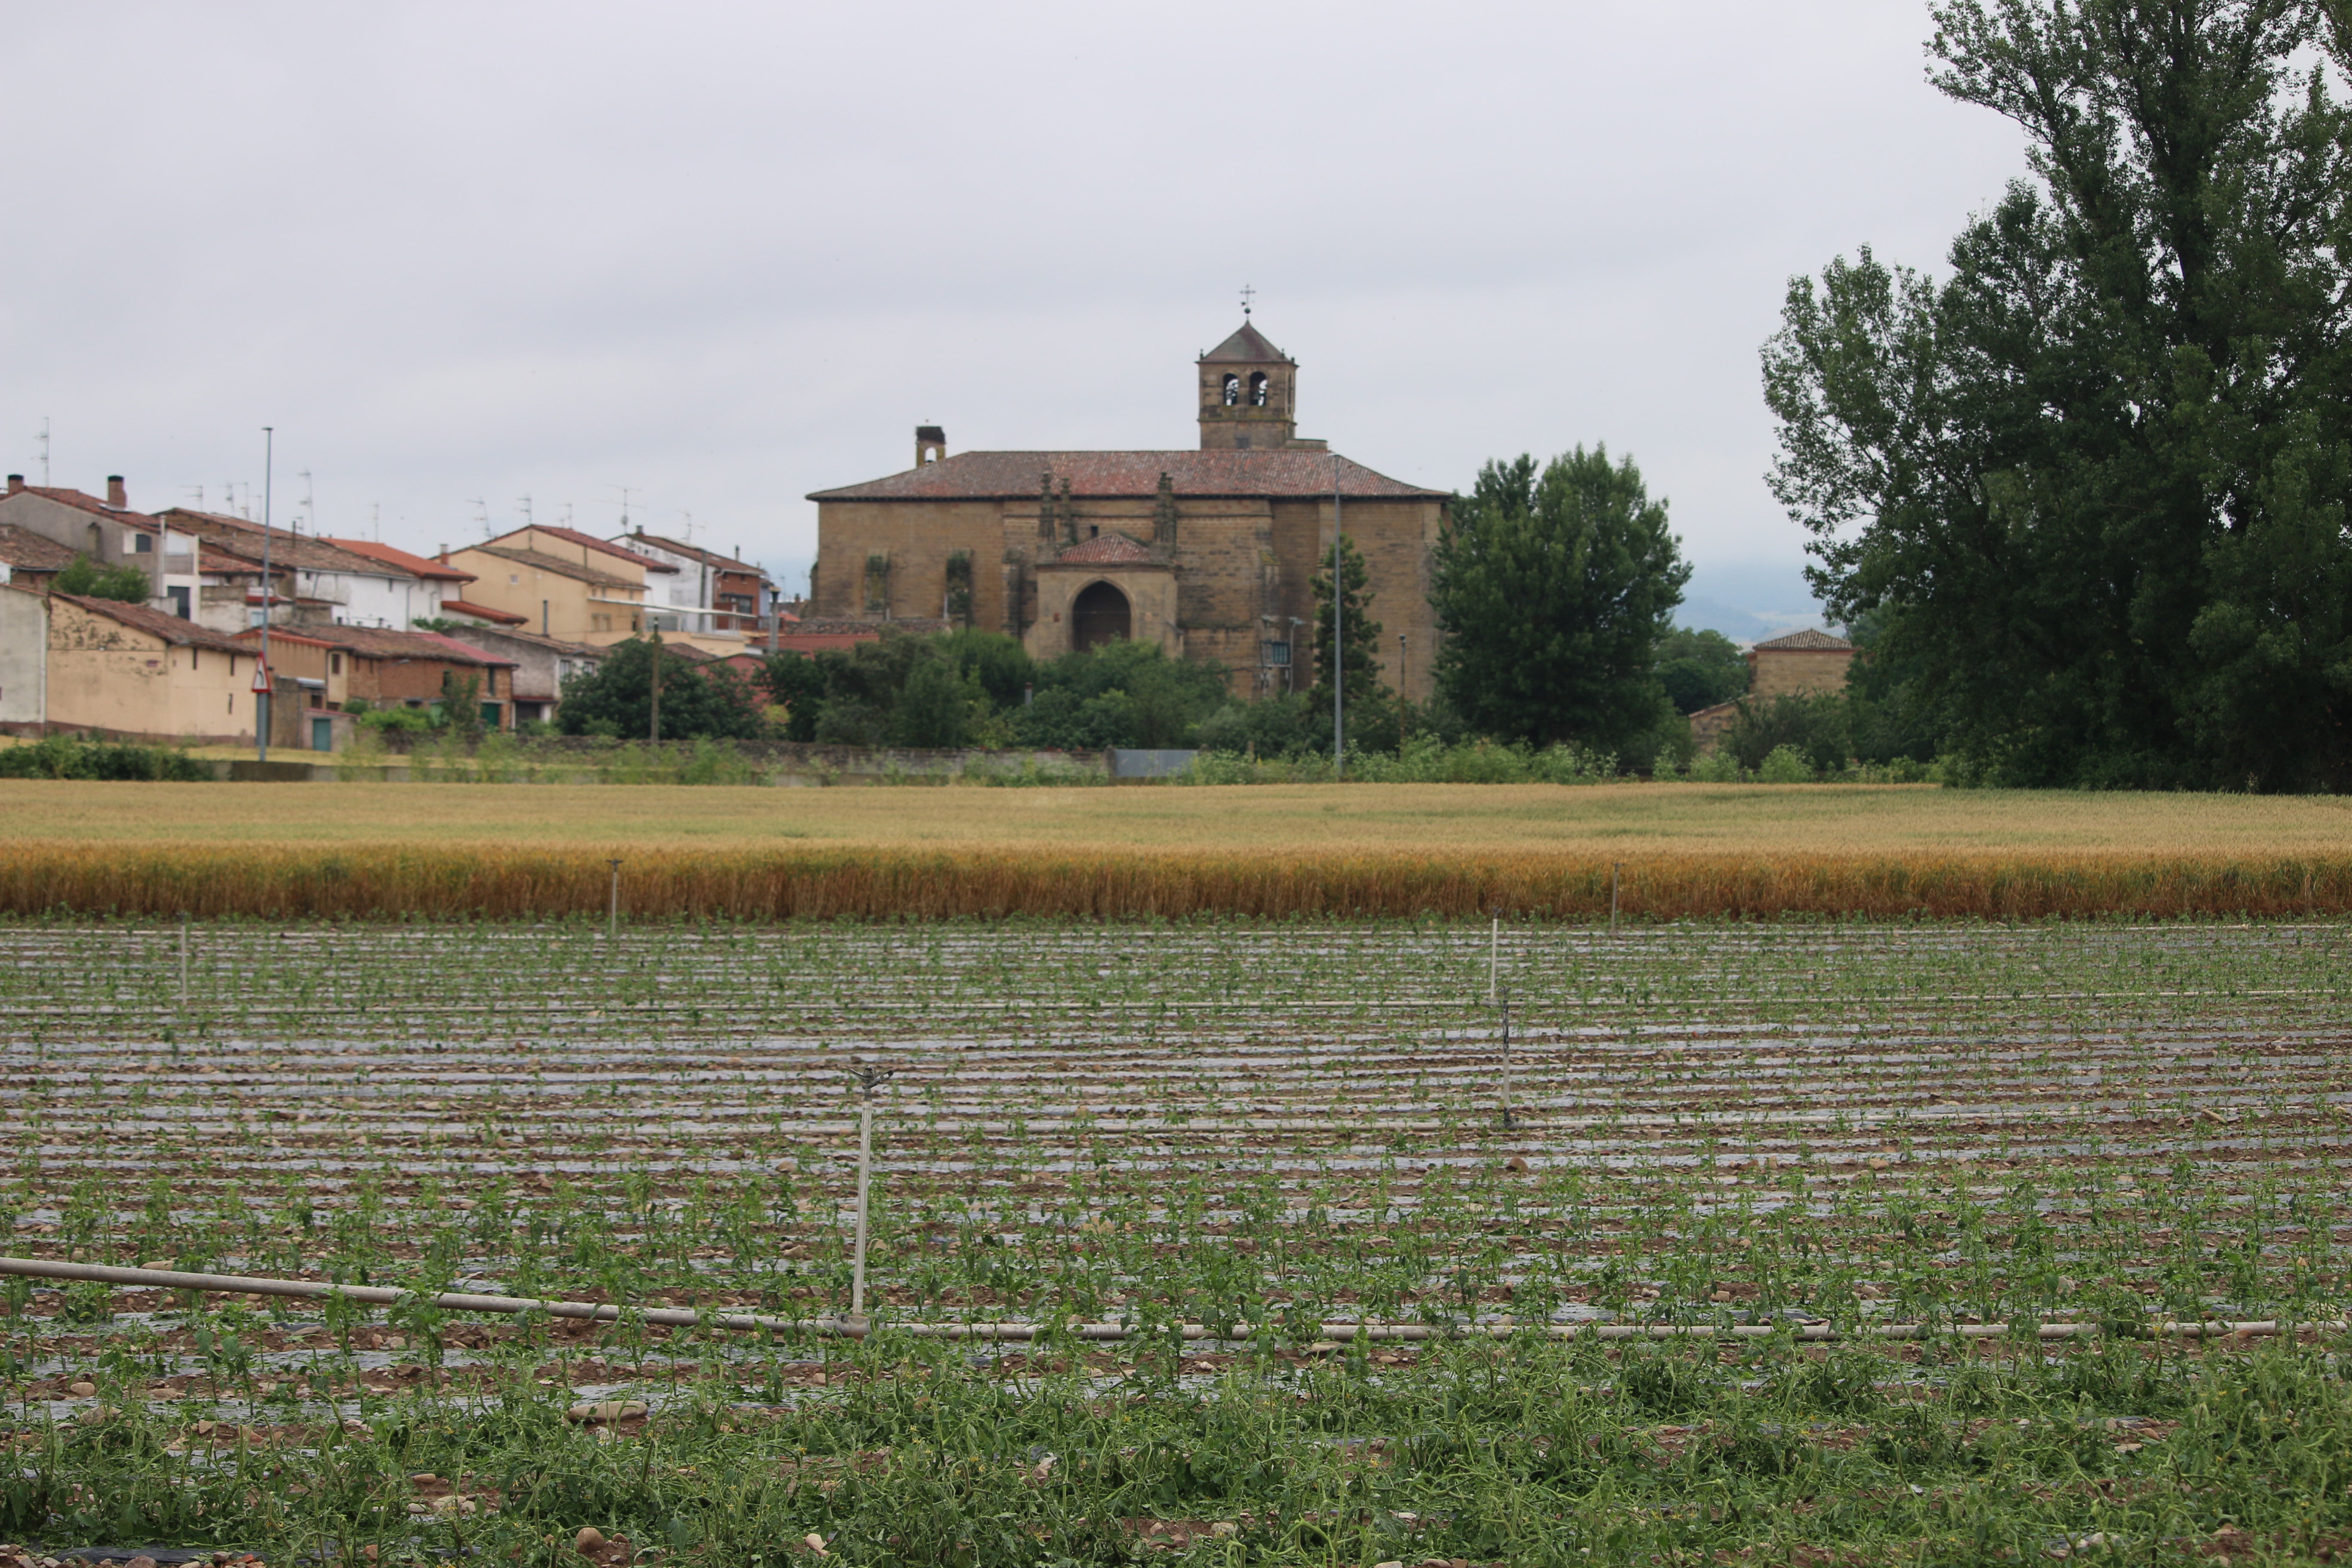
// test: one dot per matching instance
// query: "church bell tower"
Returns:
(1248, 394)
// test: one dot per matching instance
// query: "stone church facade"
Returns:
(1209, 553)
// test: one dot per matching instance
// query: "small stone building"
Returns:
(1809, 663)
(1209, 553)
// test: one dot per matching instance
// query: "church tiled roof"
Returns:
(1098, 476)
(1807, 641)
(1248, 345)
(1106, 550)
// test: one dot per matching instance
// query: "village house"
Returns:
(321, 581)
(342, 668)
(109, 534)
(1810, 663)
(28, 560)
(24, 660)
(541, 665)
(134, 672)
(565, 583)
(450, 584)
(708, 592)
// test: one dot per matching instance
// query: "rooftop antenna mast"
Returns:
(44, 451)
(525, 503)
(375, 522)
(483, 516)
(627, 491)
(309, 507)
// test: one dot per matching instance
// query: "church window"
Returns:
(1233, 390)
(1257, 389)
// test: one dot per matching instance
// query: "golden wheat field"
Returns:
(367, 850)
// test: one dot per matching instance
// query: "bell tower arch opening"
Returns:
(1100, 614)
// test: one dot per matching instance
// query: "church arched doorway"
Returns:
(1099, 614)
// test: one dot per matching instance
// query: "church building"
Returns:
(1208, 552)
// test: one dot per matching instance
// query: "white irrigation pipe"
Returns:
(679, 1317)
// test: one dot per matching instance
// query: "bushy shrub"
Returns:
(1785, 764)
(73, 757)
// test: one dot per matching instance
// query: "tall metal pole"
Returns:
(613, 932)
(657, 685)
(262, 697)
(1506, 1061)
(1494, 957)
(1339, 639)
(183, 961)
(1616, 872)
(864, 1175)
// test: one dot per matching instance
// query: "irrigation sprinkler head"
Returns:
(869, 1077)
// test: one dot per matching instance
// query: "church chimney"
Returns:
(930, 445)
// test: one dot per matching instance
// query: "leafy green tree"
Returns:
(1553, 589)
(615, 698)
(795, 682)
(1700, 668)
(937, 708)
(2093, 482)
(126, 584)
(1359, 634)
(461, 704)
(1817, 728)
(1120, 694)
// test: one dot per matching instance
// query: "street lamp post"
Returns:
(264, 689)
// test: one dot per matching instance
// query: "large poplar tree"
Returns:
(2091, 483)
(1553, 589)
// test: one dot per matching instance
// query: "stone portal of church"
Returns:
(1098, 616)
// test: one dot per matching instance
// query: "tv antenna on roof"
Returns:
(1248, 294)
(483, 517)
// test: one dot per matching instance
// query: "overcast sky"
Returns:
(724, 254)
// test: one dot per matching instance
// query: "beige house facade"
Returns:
(563, 584)
(132, 672)
(1210, 552)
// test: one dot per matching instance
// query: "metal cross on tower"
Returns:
(1248, 293)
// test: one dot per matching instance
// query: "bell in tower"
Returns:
(1248, 395)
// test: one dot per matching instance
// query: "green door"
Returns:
(322, 734)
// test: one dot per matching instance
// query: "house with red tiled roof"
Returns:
(708, 592)
(111, 533)
(1209, 551)
(344, 668)
(312, 579)
(563, 582)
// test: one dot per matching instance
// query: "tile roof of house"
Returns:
(378, 642)
(590, 542)
(29, 552)
(1098, 476)
(556, 564)
(696, 553)
(483, 612)
(1113, 549)
(1806, 641)
(517, 634)
(89, 502)
(1249, 345)
(156, 623)
(295, 551)
(414, 565)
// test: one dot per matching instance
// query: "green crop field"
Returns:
(1802, 1243)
